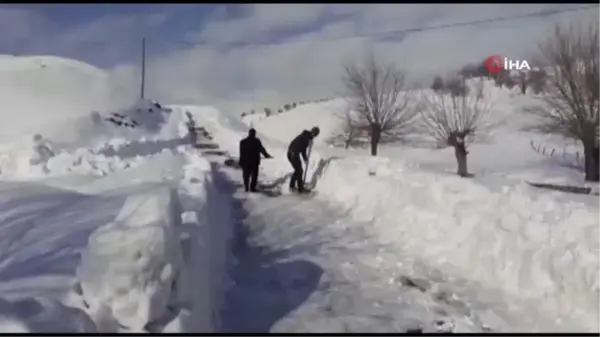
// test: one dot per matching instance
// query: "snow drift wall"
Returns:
(531, 244)
(160, 266)
(208, 224)
(130, 273)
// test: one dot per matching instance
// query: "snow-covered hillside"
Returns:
(41, 93)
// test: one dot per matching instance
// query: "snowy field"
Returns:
(131, 229)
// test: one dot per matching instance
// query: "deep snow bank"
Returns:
(161, 265)
(208, 224)
(531, 245)
(131, 266)
(107, 147)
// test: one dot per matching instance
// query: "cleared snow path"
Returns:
(301, 267)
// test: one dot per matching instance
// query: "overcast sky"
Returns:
(270, 53)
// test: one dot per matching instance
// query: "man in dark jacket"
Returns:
(250, 150)
(298, 148)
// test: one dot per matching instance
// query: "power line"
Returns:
(476, 22)
(389, 32)
(407, 30)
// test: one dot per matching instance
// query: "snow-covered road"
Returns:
(302, 267)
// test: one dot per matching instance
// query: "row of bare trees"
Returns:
(286, 107)
(379, 104)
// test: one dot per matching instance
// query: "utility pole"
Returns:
(143, 68)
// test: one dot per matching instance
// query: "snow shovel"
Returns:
(307, 161)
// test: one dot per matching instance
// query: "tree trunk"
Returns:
(375, 137)
(460, 152)
(592, 166)
(523, 82)
(596, 168)
(587, 160)
(349, 139)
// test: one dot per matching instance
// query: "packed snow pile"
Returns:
(42, 148)
(144, 114)
(528, 243)
(136, 122)
(25, 164)
(161, 265)
(131, 266)
(108, 146)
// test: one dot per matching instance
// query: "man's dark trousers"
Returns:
(297, 176)
(250, 176)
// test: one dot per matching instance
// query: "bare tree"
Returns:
(537, 80)
(453, 119)
(456, 86)
(376, 94)
(499, 77)
(438, 83)
(510, 82)
(523, 81)
(570, 97)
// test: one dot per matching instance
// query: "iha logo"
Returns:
(496, 63)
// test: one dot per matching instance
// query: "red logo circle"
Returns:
(494, 63)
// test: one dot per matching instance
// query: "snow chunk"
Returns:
(130, 266)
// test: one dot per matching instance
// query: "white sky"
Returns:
(308, 64)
